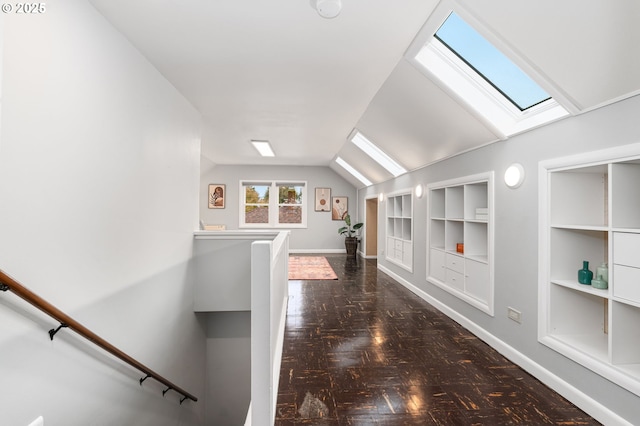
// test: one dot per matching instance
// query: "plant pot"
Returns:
(351, 245)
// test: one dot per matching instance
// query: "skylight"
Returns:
(463, 62)
(353, 171)
(377, 154)
(490, 63)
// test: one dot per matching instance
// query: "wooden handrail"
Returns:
(8, 283)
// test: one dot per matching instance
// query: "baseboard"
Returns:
(564, 388)
(320, 251)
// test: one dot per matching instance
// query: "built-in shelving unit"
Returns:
(460, 238)
(589, 208)
(400, 229)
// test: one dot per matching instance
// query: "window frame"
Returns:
(274, 204)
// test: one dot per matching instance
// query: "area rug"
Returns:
(310, 268)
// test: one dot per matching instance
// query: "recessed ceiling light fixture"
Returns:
(377, 154)
(353, 171)
(327, 8)
(264, 148)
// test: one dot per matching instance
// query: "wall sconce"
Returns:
(380, 197)
(514, 175)
(419, 190)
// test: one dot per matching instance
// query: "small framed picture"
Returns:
(216, 196)
(323, 199)
(339, 207)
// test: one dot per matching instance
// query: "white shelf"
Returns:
(453, 222)
(575, 285)
(587, 203)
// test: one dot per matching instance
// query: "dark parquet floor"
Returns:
(364, 350)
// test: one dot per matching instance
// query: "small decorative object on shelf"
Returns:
(602, 272)
(585, 275)
(460, 247)
(599, 283)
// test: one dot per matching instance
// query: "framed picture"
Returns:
(216, 196)
(323, 199)
(339, 207)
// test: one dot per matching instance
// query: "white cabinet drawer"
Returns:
(626, 283)
(455, 263)
(454, 279)
(399, 245)
(626, 249)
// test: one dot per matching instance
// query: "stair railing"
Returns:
(9, 284)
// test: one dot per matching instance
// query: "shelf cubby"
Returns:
(475, 197)
(579, 196)
(454, 234)
(436, 203)
(625, 195)
(570, 247)
(578, 319)
(454, 202)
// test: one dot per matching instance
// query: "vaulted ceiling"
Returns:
(276, 70)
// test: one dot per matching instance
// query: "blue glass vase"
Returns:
(585, 275)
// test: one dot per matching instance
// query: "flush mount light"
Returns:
(419, 190)
(514, 175)
(264, 148)
(327, 8)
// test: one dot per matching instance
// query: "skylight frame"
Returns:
(378, 155)
(438, 63)
(353, 172)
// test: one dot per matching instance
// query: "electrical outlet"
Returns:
(514, 315)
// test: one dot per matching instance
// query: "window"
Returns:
(490, 63)
(259, 208)
(457, 57)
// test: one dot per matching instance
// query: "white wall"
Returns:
(99, 177)
(228, 367)
(516, 235)
(321, 233)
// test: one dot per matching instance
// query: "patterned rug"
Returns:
(310, 268)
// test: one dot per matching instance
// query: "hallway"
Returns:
(363, 350)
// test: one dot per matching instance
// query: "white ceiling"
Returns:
(276, 70)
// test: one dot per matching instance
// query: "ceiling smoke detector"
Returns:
(327, 8)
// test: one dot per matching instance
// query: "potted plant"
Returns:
(349, 231)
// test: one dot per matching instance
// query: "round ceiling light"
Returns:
(329, 8)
